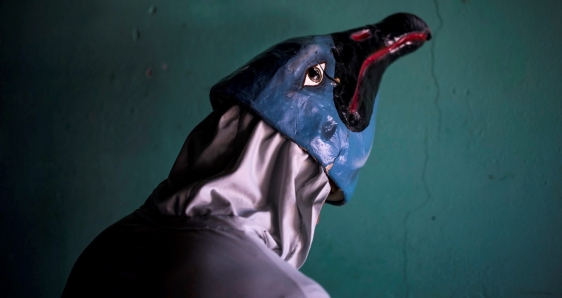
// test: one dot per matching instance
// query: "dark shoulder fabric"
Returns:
(139, 257)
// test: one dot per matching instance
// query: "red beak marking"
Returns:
(378, 55)
(361, 35)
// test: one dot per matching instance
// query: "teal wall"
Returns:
(462, 195)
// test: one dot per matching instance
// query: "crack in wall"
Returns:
(416, 209)
(433, 74)
(405, 255)
(428, 195)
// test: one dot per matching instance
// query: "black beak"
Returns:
(363, 54)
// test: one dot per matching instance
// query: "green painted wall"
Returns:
(462, 195)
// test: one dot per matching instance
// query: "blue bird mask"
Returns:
(321, 91)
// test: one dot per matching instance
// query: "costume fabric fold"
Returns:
(235, 218)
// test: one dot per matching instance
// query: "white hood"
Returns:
(235, 167)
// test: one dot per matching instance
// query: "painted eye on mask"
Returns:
(314, 75)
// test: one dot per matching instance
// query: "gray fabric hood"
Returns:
(235, 167)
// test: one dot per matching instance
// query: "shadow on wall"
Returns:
(86, 131)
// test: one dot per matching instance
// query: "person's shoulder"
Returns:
(224, 262)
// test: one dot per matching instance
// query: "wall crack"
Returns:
(433, 72)
(428, 196)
